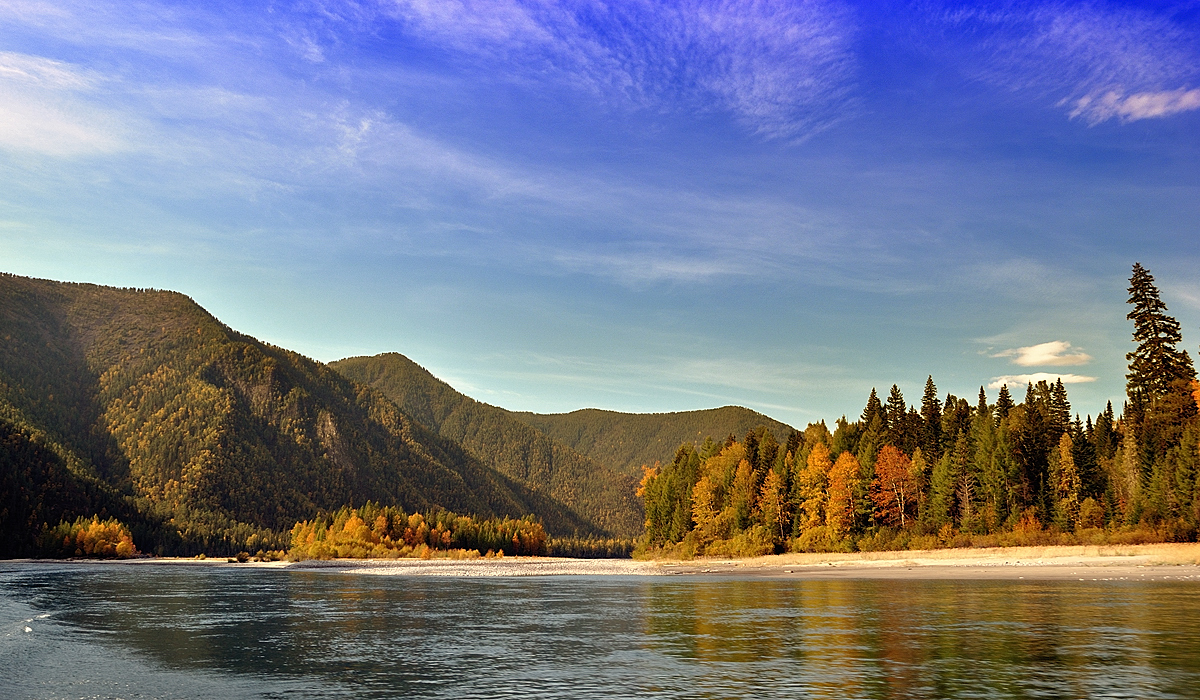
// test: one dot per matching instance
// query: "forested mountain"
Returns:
(596, 491)
(955, 472)
(627, 441)
(139, 404)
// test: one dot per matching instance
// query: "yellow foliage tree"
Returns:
(811, 487)
(845, 479)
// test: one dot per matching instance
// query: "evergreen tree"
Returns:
(1156, 362)
(1083, 451)
(931, 416)
(1004, 403)
(895, 409)
(794, 442)
(1105, 436)
(989, 464)
(845, 437)
(874, 409)
(1059, 413)
(750, 442)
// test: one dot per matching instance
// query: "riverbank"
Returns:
(1101, 563)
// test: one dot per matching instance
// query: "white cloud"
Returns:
(1055, 353)
(1023, 379)
(1142, 105)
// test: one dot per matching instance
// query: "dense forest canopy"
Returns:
(954, 471)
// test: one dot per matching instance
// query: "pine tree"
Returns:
(931, 416)
(1060, 410)
(1004, 403)
(874, 408)
(1105, 436)
(1156, 363)
(896, 411)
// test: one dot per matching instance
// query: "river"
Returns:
(112, 631)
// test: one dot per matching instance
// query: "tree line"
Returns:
(953, 472)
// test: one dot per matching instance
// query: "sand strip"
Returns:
(1154, 562)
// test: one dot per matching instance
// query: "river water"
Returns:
(111, 631)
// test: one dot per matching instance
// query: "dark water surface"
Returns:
(105, 631)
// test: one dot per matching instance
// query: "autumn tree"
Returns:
(773, 506)
(845, 481)
(894, 490)
(811, 488)
(1066, 485)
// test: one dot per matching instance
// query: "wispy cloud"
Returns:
(1055, 353)
(41, 112)
(1097, 60)
(1142, 105)
(1024, 379)
(784, 69)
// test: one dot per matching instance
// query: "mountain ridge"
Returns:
(140, 403)
(627, 441)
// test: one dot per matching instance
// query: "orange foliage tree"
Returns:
(894, 490)
(844, 482)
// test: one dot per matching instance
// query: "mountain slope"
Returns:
(626, 441)
(595, 491)
(141, 404)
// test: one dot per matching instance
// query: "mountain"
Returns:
(601, 494)
(626, 441)
(140, 404)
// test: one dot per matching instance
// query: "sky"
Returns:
(630, 205)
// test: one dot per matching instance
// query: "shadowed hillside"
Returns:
(140, 404)
(626, 441)
(594, 490)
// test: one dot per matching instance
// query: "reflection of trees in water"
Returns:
(706, 636)
(894, 639)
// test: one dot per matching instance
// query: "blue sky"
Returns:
(632, 205)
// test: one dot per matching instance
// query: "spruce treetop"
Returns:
(1156, 362)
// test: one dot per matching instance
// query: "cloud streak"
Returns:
(1131, 108)
(1024, 379)
(1101, 62)
(41, 111)
(782, 69)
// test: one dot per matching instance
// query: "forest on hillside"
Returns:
(627, 441)
(138, 405)
(601, 495)
(952, 471)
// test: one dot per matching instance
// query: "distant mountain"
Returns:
(626, 441)
(140, 404)
(593, 489)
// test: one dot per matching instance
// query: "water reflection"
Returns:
(339, 635)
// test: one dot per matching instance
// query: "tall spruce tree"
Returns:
(896, 419)
(1156, 363)
(1004, 403)
(931, 416)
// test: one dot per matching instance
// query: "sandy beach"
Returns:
(1153, 562)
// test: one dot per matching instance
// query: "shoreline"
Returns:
(1151, 562)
